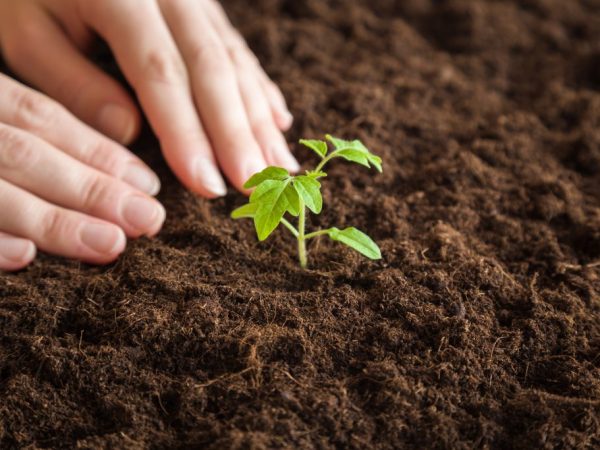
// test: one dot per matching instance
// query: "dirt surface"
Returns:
(480, 328)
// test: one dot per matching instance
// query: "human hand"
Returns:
(203, 91)
(65, 188)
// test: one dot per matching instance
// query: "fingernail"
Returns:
(145, 180)
(117, 122)
(143, 214)
(102, 238)
(16, 250)
(287, 160)
(210, 178)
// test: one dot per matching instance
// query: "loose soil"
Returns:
(480, 328)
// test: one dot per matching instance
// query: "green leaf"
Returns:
(354, 156)
(319, 147)
(357, 240)
(339, 144)
(376, 161)
(270, 173)
(293, 200)
(316, 175)
(355, 151)
(309, 190)
(272, 201)
(246, 211)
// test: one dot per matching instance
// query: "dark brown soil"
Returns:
(480, 328)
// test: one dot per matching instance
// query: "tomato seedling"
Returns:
(276, 193)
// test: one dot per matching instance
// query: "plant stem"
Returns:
(290, 227)
(325, 161)
(314, 234)
(301, 236)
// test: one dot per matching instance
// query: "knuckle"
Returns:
(16, 150)
(102, 157)
(94, 191)
(54, 224)
(209, 55)
(260, 124)
(32, 110)
(238, 55)
(165, 68)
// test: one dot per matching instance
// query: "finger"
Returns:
(34, 165)
(26, 109)
(149, 58)
(260, 113)
(215, 89)
(15, 252)
(269, 137)
(57, 230)
(37, 49)
(281, 113)
(78, 32)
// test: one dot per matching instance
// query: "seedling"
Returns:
(276, 193)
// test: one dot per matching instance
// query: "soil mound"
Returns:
(480, 328)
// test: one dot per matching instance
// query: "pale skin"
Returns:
(68, 185)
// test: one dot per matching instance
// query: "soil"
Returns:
(479, 328)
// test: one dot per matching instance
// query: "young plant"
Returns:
(277, 193)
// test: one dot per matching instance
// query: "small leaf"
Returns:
(351, 150)
(354, 156)
(319, 147)
(316, 175)
(246, 211)
(357, 240)
(267, 191)
(271, 204)
(270, 173)
(339, 143)
(309, 190)
(376, 161)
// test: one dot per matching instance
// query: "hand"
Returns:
(65, 188)
(203, 91)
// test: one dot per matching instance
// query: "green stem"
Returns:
(290, 227)
(325, 161)
(314, 234)
(301, 236)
